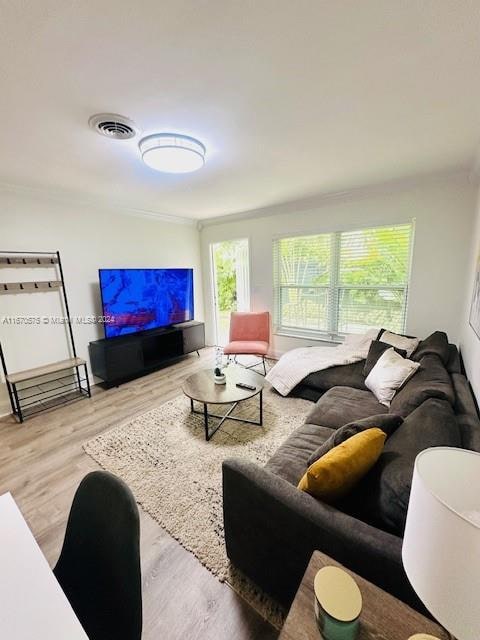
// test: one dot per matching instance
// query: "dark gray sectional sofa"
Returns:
(272, 528)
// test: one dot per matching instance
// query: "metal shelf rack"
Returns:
(34, 390)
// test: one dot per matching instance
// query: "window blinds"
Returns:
(345, 282)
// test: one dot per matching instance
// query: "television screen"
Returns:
(138, 299)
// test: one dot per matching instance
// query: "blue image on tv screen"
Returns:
(139, 299)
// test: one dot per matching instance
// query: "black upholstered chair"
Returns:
(99, 565)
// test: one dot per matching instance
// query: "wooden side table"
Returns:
(383, 617)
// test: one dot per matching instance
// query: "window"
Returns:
(345, 282)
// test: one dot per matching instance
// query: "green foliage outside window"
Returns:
(224, 259)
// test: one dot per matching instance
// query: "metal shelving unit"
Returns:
(34, 390)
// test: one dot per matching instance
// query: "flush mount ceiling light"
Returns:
(172, 152)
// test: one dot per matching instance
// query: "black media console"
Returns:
(115, 360)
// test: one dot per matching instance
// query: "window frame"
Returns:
(332, 334)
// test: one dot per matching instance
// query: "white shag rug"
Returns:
(176, 476)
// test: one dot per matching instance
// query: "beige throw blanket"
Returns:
(296, 364)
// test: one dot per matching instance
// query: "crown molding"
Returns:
(81, 200)
(461, 173)
(466, 173)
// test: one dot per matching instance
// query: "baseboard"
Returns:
(4, 410)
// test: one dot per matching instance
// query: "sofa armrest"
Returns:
(272, 529)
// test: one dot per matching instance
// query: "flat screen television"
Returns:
(135, 300)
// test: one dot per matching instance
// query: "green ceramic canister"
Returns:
(338, 604)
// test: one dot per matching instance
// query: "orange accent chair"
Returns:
(249, 335)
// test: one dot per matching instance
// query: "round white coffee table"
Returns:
(200, 387)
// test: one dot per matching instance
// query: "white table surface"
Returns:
(32, 603)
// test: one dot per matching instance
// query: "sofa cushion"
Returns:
(348, 375)
(383, 495)
(341, 405)
(387, 422)
(290, 460)
(377, 349)
(466, 412)
(436, 343)
(432, 380)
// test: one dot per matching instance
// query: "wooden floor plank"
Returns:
(42, 463)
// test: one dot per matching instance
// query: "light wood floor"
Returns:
(42, 463)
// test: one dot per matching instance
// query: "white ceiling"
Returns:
(293, 98)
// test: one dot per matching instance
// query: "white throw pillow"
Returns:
(396, 340)
(388, 375)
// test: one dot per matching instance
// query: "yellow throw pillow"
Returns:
(334, 474)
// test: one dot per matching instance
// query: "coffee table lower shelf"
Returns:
(226, 416)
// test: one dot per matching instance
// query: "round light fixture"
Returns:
(172, 152)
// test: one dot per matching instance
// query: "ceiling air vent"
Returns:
(111, 125)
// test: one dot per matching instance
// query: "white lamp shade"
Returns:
(441, 545)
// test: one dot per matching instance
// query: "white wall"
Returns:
(469, 341)
(88, 237)
(443, 207)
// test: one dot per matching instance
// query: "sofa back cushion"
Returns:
(436, 343)
(384, 492)
(432, 380)
(454, 364)
(466, 412)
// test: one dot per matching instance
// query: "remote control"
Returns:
(242, 385)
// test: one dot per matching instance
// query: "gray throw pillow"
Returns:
(374, 353)
(387, 422)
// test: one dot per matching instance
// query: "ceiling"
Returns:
(293, 98)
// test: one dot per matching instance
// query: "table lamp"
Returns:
(441, 545)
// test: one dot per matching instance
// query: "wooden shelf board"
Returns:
(21, 376)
